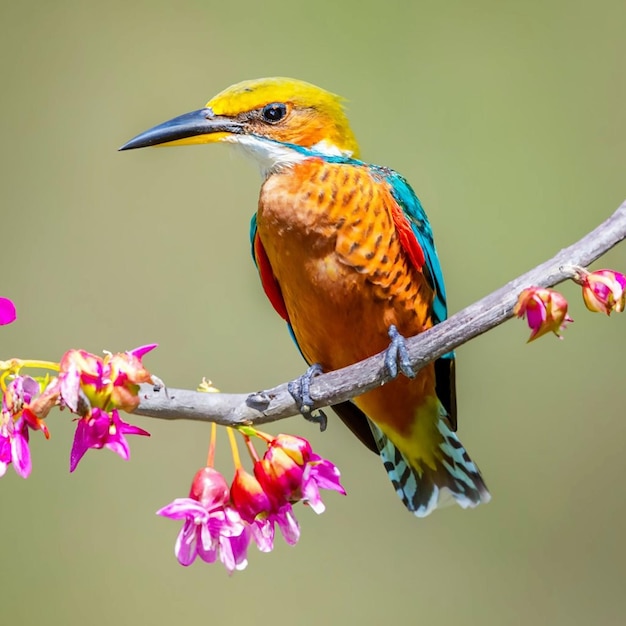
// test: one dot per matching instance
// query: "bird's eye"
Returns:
(274, 112)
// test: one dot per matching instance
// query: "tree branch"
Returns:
(343, 384)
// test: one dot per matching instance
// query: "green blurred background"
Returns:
(507, 118)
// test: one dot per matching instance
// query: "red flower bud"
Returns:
(209, 488)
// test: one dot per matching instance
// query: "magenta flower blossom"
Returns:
(8, 313)
(280, 476)
(109, 382)
(220, 523)
(213, 529)
(545, 311)
(319, 474)
(604, 291)
(291, 472)
(100, 429)
(14, 427)
(14, 447)
(257, 509)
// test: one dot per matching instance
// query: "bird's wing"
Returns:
(268, 280)
(416, 237)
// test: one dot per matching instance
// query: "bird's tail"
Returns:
(453, 476)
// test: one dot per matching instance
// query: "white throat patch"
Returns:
(273, 156)
(270, 155)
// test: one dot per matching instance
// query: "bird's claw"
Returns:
(397, 355)
(318, 417)
(300, 390)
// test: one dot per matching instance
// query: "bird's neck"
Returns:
(274, 156)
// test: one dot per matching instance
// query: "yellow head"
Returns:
(262, 115)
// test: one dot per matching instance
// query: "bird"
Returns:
(346, 256)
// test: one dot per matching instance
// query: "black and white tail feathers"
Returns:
(455, 477)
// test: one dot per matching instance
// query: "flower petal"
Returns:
(326, 475)
(288, 524)
(311, 495)
(262, 531)
(69, 384)
(185, 548)
(141, 351)
(234, 551)
(119, 445)
(21, 455)
(207, 544)
(80, 444)
(182, 508)
(8, 313)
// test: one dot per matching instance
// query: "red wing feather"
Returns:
(268, 280)
(407, 237)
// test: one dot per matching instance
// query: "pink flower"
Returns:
(212, 528)
(127, 371)
(81, 379)
(248, 497)
(14, 447)
(100, 429)
(280, 476)
(604, 291)
(545, 311)
(298, 448)
(109, 382)
(14, 427)
(257, 509)
(319, 474)
(290, 471)
(7, 312)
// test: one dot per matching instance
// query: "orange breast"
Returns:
(330, 239)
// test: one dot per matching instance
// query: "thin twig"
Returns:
(340, 385)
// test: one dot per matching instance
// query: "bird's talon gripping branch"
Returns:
(397, 355)
(300, 390)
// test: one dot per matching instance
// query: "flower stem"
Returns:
(253, 453)
(13, 366)
(233, 447)
(3, 380)
(46, 365)
(264, 436)
(210, 460)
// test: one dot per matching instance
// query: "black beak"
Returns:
(200, 122)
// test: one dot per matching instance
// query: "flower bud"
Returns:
(604, 291)
(248, 496)
(209, 488)
(545, 311)
(296, 448)
(279, 475)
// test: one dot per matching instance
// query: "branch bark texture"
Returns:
(339, 385)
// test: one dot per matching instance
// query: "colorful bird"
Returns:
(346, 256)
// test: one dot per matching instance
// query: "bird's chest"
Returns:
(300, 224)
(331, 243)
(326, 230)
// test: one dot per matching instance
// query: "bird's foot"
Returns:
(397, 355)
(319, 418)
(300, 390)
